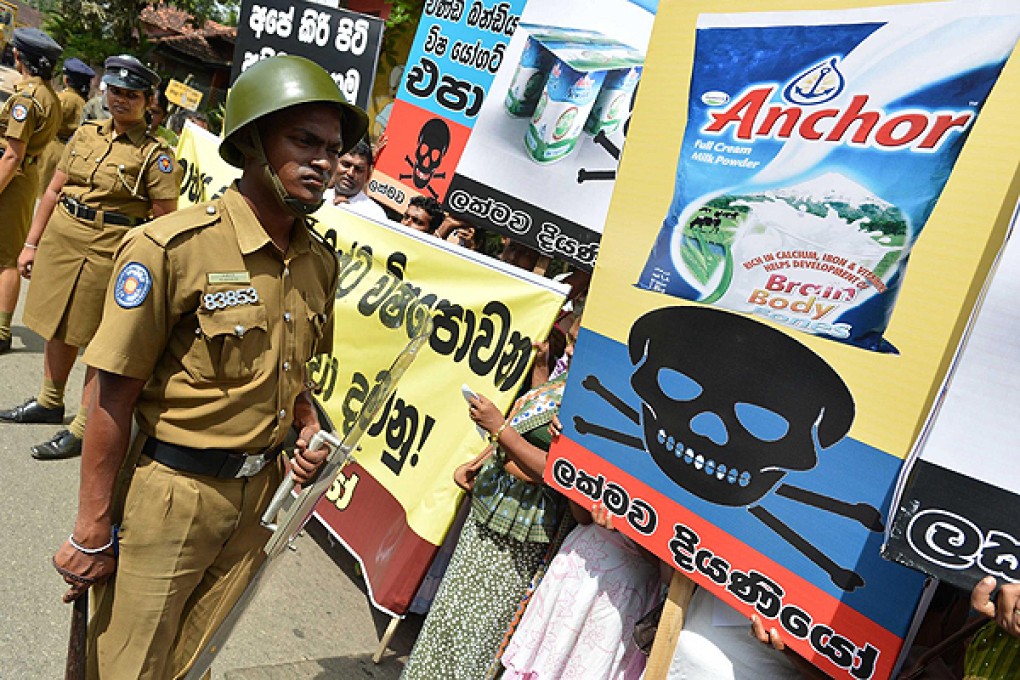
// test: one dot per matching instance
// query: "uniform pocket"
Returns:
(80, 165)
(230, 345)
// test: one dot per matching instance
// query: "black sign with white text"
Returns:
(344, 43)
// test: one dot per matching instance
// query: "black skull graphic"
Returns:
(433, 143)
(729, 407)
(730, 404)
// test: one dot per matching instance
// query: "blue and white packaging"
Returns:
(817, 145)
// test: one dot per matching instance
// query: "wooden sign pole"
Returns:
(680, 590)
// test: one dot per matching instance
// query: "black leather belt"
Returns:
(82, 211)
(209, 462)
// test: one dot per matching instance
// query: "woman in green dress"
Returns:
(513, 520)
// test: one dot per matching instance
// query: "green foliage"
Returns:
(95, 29)
(402, 22)
(215, 118)
(203, 10)
(80, 28)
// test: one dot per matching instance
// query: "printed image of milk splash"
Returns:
(816, 147)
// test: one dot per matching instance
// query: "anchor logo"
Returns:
(820, 83)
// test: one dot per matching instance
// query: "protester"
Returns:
(348, 185)
(423, 214)
(29, 120)
(580, 620)
(196, 118)
(158, 106)
(994, 652)
(77, 83)
(456, 230)
(519, 255)
(69, 250)
(176, 121)
(714, 645)
(514, 519)
(206, 332)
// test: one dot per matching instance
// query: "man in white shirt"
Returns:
(352, 173)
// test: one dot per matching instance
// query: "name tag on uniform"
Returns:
(229, 277)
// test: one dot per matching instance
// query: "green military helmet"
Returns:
(296, 80)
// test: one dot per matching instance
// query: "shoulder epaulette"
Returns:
(30, 94)
(165, 229)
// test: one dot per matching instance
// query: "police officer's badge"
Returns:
(165, 163)
(19, 112)
(133, 285)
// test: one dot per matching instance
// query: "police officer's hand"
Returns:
(305, 463)
(25, 261)
(81, 570)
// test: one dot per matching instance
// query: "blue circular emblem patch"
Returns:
(164, 163)
(133, 285)
(19, 112)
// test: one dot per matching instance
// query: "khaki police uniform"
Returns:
(220, 324)
(116, 176)
(71, 105)
(31, 115)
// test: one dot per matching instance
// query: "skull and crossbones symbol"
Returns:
(729, 407)
(433, 143)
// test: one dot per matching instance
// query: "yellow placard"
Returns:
(183, 96)
(486, 316)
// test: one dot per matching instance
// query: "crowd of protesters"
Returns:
(537, 587)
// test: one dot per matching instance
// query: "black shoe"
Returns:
(63, 445)
(32, 412)
(5, 345)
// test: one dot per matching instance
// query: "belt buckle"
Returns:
(252, 465)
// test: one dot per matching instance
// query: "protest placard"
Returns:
(182, 95)
(556, 120)
(457, 50)
(393, 506)
(958, 517)
(344, 43)
(749, 449)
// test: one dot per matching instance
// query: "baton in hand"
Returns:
(75, 668)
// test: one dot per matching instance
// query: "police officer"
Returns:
(28, 121)
(114, 175)
(77, 84)
(210, 319)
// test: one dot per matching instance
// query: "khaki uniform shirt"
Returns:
(219, 322)
(120, 172)
(31, 114)
(71, 105)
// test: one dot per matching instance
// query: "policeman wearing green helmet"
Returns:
(299, 81)
(210, 319)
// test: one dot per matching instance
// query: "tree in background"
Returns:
(403, 19)
(95, 29)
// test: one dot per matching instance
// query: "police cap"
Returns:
(78, 68)
(127, 72)
(36, 43)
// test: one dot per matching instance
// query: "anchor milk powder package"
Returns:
(817, 144)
